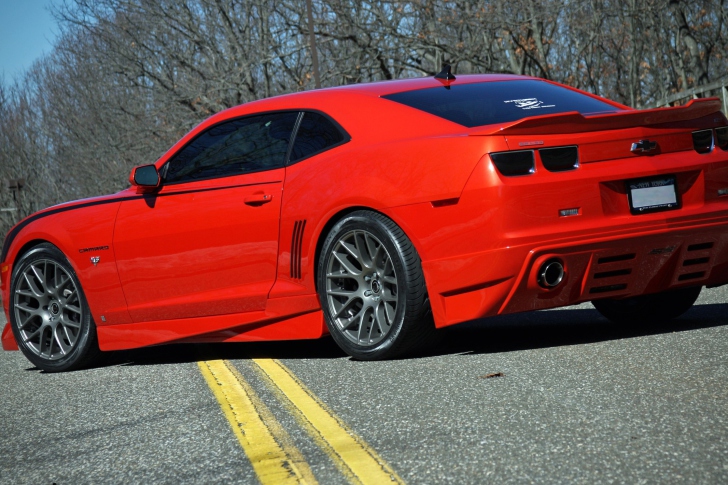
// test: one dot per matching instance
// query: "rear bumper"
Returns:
(610, 266)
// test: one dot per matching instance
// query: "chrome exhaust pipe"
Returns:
(551, 274)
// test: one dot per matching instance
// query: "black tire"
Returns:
(375, 304)
(654, 308)
(49, 315)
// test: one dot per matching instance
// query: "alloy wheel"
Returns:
(48, 309)
(361, 288)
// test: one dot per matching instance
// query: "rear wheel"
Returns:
(372, 289)
(49, 316)
(658, 307)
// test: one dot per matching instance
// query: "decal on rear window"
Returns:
(529, 103)
(494, 102)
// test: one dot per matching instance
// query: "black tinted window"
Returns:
(315, 134)
(240, 146)
(499, 102)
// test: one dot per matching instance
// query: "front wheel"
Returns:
(372, 288)
(654, 308)
(49, 316)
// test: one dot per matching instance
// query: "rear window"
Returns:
(499, 102)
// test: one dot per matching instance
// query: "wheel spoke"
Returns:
(363, 249)
(348, 323)
(69, 323)
(381, 318)
(59, 342)
(50, 340)
(37, 292)
(72, 308)
(364, 314)
(390, 311)
(32, 335)
(26, 322)
(345, 307)
(353, 250)
(346, 264)
(32, 311)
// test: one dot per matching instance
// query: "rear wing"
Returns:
(575, 122)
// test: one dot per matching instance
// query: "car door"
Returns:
(206, 243)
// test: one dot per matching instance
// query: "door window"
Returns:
(235, 147)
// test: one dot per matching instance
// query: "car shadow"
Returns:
(557, 328)
(508, 333)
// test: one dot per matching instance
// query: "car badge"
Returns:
(95, 260)
(643, 146)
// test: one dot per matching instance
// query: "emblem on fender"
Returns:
(95, 260)
(643, 146)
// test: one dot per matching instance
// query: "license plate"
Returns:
(652, 194)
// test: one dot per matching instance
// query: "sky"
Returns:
(27, 31)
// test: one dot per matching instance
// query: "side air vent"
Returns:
(560, 159)
(700, 247)
(296, 243)
(721, 138)
(608, 288)
(619, 257)
(691, 276)
(612, 274)
(703, 141)
(513, 164)
(696, 261)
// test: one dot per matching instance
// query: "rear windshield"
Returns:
(499, 102)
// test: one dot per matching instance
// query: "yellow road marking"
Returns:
(352, 455)
(270, 450)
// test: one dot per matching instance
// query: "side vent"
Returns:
(296, 243)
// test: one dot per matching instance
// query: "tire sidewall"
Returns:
(87, 336)
(358, 221)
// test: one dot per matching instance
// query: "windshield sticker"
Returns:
(529, 103)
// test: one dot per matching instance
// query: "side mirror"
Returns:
(145, 177)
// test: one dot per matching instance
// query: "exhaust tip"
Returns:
(551, 274)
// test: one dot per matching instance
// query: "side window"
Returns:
(315, 134)
(235, 147)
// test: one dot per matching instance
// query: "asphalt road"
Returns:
(577, 401)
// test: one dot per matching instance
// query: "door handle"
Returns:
(258, 199)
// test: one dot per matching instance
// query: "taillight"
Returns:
(721, 138)
(703, 141)
(512, 164)
(559, 159)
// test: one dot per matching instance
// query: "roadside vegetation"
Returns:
(127, 78)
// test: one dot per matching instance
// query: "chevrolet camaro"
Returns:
(378, 213)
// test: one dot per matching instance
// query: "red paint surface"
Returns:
(193, 262)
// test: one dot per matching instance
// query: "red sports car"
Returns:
(377, 213)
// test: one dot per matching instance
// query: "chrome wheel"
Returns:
(48, 310)
(361, 288)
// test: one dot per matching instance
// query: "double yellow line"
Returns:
(269, 448)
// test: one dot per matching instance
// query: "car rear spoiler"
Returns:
(575, 122)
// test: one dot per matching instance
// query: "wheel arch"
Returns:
(29, 245)
(337, 216)
(323, 234)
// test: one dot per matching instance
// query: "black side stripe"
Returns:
(34, 217)
(15, 230)
(296, 244)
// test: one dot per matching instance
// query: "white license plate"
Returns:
(653, 194)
